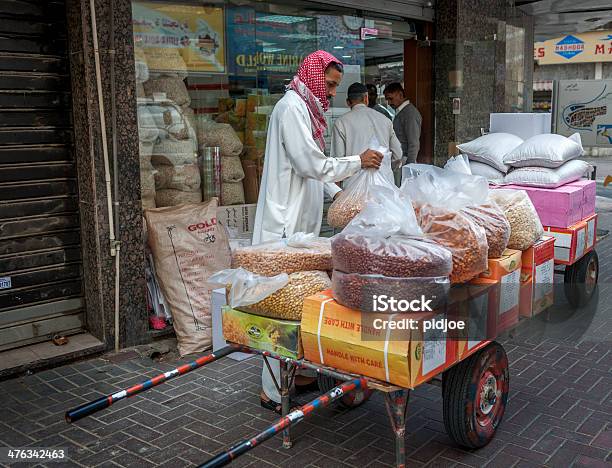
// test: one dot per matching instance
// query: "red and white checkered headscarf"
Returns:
(309, 83)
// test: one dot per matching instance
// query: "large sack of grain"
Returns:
(231, 169)
(171, 152)
(173, 197)
(220, 135)
(174, 88)
(185, 177)
(188, 246)
(232, 193)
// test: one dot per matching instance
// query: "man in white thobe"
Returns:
(296, 171)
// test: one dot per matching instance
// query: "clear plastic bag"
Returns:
(184, 177)
(497, 229)
(463, 237)
(289, 255)
(459, 164)
(353, 198)
(287, 301)
(357, 291)
(525, 225)
(246, 288)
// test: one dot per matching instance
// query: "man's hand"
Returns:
(371, 159)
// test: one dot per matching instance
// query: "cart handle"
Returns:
(101, 403)
(290, 419)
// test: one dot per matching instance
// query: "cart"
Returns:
(481, 379)
(474, 388)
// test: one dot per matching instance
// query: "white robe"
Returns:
(295, 174)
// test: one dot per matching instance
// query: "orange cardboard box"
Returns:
(537, 272)
(347, 339)
(571, 243)
(479, 313)
(505, 270)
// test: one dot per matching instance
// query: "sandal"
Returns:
(276, 407)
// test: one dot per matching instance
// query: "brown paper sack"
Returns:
(188, 246)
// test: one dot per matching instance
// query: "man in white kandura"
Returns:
(296, 171)
(357, 129)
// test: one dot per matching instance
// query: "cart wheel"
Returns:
(581, 279)
(350, 400)
(475, 392)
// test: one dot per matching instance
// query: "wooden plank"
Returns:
(35, 100)
(37, 190)
(56, 240)
(34, 118)
(28, 136)
(38, 311)
(42, 330)
(45, 293)
(36, 226)
(35, 154)
(45, 259)
(24, 80)
(45, 206)
(33, 63)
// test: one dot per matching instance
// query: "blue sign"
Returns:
(569, 47)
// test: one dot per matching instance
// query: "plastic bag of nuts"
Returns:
(396, 256)
(352, 199)
(287, 303)
(525, 225)
(465, 239)
(299, 252)
(357, 291)
(492, 219)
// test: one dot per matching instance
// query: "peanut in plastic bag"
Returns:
(246, 288)
(525, 225)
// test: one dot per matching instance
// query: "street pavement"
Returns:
(559, 412)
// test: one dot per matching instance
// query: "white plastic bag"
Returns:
(459, 164)
(353, 198)
(548, 177)
(386, 169)
(546, 150)
(248, 288)
(491, 149)
(486, 171)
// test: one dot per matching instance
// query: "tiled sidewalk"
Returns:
(559, 413)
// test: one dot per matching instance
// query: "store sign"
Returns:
(589, 47)
(197, 33)
(569, 47)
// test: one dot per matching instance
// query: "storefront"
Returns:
(161, 76)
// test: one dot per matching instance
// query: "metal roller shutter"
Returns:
(40, 254)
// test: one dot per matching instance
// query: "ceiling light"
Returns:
(338, 47)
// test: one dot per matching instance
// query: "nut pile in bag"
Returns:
(352, 199)
(382, 252)
(299, 252)
(525, 225)
(440, 198)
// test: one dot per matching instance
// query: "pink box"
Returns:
(590, 193)
(562, 206)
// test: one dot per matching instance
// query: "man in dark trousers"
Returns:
(407, 121)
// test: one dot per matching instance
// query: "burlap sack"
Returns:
(188, 246)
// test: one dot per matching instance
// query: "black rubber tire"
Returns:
(577, 292)
(460, 387)
(350, 400)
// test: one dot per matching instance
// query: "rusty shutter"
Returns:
(40, 254)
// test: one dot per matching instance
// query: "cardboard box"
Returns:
(505, 270)
(537, 277)
(478, 310)
(591, 233)
(238, 219)
(278, 336)
(589, 188)
(218, 300)
(570, 242)
(344, 338)
(562, 206)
